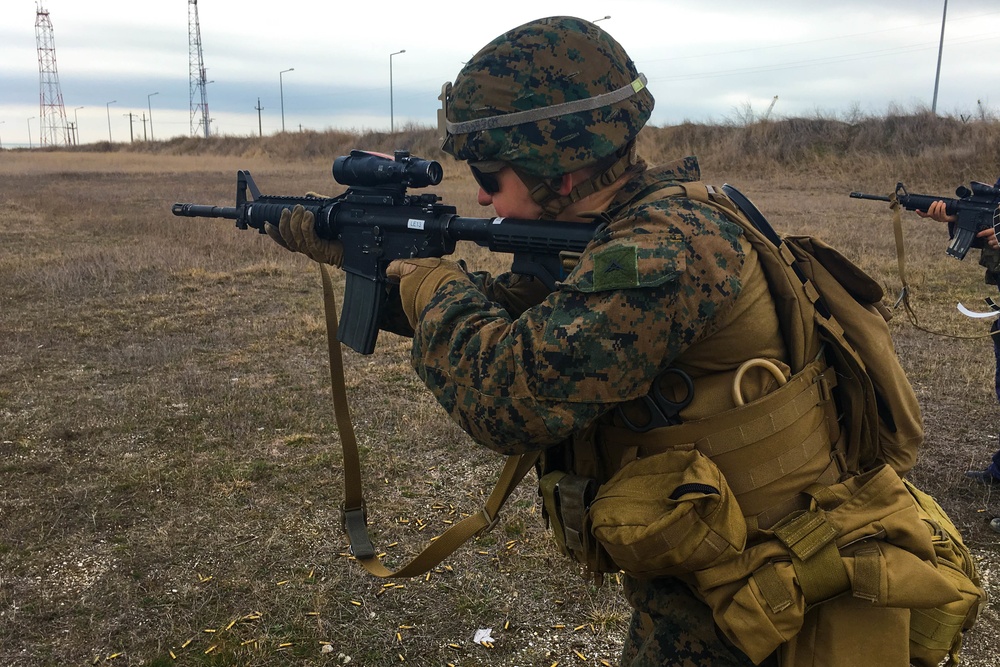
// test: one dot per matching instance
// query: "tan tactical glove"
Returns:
(296, 231)
(420, 279)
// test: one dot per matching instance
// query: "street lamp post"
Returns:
(76, 125)
(603, 18)
(29, 132)
(281, 88)
(108, 107)
(149, 104)
(391, 122)
(937, 75)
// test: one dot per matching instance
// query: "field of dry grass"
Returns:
(171, 470)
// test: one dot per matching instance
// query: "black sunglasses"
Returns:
(487, 180)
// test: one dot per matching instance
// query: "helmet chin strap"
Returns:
(553, 203)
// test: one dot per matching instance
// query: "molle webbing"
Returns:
(825, 301)
(772, 448)
(768, 450)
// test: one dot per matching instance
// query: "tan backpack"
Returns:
(813, 283)
(868, 551)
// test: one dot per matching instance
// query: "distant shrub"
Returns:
(909, 145)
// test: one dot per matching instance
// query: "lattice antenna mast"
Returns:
(52, 112)
(196, 69)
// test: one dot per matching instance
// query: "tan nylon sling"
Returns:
(904, 291)
(353, 508)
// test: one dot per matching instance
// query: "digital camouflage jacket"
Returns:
(661, 277)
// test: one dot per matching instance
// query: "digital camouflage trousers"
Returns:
(672, 628)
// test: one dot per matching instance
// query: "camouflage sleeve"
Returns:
(649, 287)
(514, 291)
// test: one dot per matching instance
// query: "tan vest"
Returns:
(807, 441)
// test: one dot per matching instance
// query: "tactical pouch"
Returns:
(566, 499)
(668, 514)
(768, 450)
(936, 634)
(861, 544)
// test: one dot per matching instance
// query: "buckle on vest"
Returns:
(825, 389)
(818, 566)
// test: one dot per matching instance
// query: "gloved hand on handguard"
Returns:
(296, 231)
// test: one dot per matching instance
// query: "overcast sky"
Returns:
(706, 62)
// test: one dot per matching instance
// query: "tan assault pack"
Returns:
(863, 556)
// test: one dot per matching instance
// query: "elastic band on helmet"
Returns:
(541, 113)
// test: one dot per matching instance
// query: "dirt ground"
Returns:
(171, 468)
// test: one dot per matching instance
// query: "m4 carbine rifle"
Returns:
(377, 222)
(975, 208)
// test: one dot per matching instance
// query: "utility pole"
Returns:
(144, 137)
(149, 103)
(131, 120)
(76, 126)
(259, 108)
(937, 76)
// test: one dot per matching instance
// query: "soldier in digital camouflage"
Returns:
(546, 116)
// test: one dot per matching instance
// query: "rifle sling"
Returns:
(904, 293)
(354, 510)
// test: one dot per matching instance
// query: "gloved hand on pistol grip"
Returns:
(420, 279)
(296, 231)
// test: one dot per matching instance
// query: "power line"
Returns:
(894, 29)
(863, 55)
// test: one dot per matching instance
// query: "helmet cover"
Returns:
(549, 97)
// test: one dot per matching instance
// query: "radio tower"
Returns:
(52, 113)
(196, 69)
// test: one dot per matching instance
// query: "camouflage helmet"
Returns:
(549, 97)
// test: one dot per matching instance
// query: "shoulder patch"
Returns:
(653, 261)
(616, 267)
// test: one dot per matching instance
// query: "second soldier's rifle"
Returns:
(975, 208)
(377, 222)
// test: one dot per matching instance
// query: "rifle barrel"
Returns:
(203, 211)
(862, 195)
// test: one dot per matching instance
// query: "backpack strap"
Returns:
(355, 517)
(795, 313)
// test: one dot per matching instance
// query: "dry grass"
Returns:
(171, 471)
